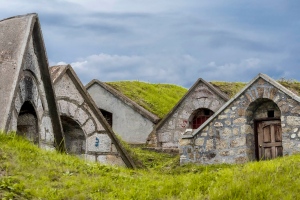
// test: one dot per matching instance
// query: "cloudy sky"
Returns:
(169, 41)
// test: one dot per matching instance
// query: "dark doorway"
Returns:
(27, 124)
(74, 136)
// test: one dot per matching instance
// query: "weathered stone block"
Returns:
(293, 120)
(199, 141)
(89, 127)
(165, 137)
(237, 142)
(239, 121)
(218, 124)
(184, 142)
(209, 145)
(99, 143)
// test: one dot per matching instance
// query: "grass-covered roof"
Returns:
(161, 98)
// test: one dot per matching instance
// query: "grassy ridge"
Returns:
(27, 172)
(161, 98)
(156, 98)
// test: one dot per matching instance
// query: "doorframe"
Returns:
(256, 121)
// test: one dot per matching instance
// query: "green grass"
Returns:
(156, 98)
(27, 172)
(229, 88)
(161, 98)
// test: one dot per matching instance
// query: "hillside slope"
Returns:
(161, 98)
(156, 98)
(27, 172)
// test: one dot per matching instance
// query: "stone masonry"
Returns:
(201, 95)
(229, 136)
(86, 131)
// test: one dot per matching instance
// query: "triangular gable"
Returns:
(192, 89)
(260, 75)
(57, 73)
(17, 36)
(145, 113)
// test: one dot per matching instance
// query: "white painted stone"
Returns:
(72, 109)
(233, 108)
(66, 88)
(81, 116)
(99, 143)
(89, 127)
(91, 158)
(222, 117)
(295, 130)
(63, 107)
(102, 159)
(18, 102)
(293, 135)
(46, 129)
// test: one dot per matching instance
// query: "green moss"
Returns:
(156, 98)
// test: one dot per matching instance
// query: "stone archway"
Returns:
(27, 122)
(74, 136)
(199, 116)
(264, 117)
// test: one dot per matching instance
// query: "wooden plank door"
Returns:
(269, 139)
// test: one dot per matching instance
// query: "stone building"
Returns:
(128, 119)
(195, 107)
(86, 131)
(27, 97)
(262, 121)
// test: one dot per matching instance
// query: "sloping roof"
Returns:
(260, 75)
(145, 113)
(57, 72)
(200, 80)
(15, 34)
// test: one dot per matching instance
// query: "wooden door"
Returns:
(269, 138)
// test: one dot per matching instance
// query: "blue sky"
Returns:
(170, 41)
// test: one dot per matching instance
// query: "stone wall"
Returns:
(228, 137)
(96, 144)
(31, 89)
(132, 126)
(169, 134)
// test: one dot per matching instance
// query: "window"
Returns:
(270, 113)
(108, 116)
(200, 117)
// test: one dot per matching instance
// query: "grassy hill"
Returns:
(27, 172)
(156, 98)
(161, 98)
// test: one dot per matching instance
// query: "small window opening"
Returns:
(108, 116)
(200, 117)
(270, 113)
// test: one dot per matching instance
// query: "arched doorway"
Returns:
(74, 136)
(199, 117)
(265, 115)
(27, 124)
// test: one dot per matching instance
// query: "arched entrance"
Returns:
(265, 115)
(74, 136)
(27, 124)
(199, 117)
